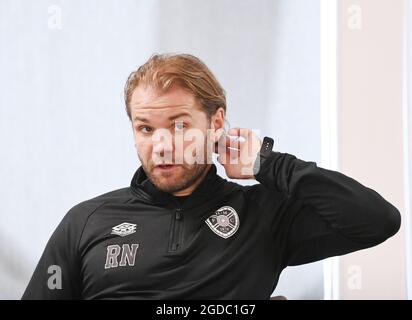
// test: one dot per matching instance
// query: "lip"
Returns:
(166, 168)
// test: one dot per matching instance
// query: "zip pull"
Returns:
(174, 244)
(178, 214)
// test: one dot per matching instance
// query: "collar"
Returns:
(143, 187)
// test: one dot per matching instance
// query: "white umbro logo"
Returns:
(124, 229)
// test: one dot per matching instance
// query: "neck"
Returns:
(189, 190)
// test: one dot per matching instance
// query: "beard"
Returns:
(180, 178)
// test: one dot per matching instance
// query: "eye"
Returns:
(179, 126)
(145, 129)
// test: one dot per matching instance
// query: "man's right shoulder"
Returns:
(82, 210)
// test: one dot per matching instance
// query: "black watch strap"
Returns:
(265, 150)
(267, 146)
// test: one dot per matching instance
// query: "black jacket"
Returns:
(226, 241)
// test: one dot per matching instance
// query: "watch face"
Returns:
(267, 145)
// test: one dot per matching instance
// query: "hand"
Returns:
(237, 151)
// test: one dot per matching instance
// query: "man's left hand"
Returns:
(237, 151)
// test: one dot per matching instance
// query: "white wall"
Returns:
(408, 142)
(371, 135)
(64, 135)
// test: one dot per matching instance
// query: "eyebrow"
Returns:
(170, 118)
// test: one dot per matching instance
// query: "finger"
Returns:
(230, 145)
(226, 155)
(221, 147)
(232, 142)
(233, 153)
(239, 132)
(225, 142)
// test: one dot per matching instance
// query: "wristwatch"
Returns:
(265, 150)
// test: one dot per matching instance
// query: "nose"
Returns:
(163, 146)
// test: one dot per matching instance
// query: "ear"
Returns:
(218, 124)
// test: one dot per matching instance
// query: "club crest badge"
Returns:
(224, 222)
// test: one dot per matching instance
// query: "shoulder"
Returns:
(70, 229)
(258, 192)
(80, 212)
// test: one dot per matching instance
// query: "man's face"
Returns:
(170, 128)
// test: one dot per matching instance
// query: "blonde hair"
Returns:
(188, 71)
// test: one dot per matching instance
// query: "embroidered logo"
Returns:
(124, 229)
(224, 222)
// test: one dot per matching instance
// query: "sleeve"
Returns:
(57, 275)
(327, 213)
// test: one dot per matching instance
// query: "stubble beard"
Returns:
(181, 178)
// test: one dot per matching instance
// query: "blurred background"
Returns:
(327, 79)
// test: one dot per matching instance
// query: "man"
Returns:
(180, 231)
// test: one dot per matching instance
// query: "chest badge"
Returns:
(124, 229)
(224, 222)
